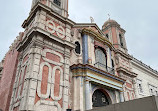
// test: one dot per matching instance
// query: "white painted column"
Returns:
(117, 94)
(90, 88)
(121, 97)
(87, 96)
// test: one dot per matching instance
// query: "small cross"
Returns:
(109, 16)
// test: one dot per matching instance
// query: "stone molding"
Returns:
(117, 51)
(143, 66)
(126, 72)
(92, 68)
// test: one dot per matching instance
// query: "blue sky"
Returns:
(138, 17)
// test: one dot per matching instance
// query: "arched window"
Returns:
(112, 62)
(121, 40)
(78, 48)
(107, 35)
(99, 99)
(100, 56)
(57, 2)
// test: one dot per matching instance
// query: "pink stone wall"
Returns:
(7, 80)
(114, 36)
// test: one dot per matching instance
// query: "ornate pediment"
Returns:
(97, 36)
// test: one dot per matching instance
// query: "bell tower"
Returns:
(115, 33)
(42, 81)
(58, 6)
(122, 59)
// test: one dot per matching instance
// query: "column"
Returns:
(90, 89)
(121, 97)
(85, 49)
(87, 96)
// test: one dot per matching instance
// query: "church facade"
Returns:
(58, 65)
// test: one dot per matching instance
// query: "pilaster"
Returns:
(85, 49)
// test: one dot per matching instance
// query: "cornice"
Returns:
(98, 37)
(123, 54)
(82, 25)
(38, 31)
(143, 66)
(125, 71)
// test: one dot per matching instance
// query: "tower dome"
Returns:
(109, 22)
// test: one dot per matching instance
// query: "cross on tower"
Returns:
(109, 16)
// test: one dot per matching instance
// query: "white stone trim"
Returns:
(45, 51)
(59, 29)
(53, 82)
(44, 96)
(52, 27)
(49, 103)
(60, 33)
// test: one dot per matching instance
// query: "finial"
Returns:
(92, 20)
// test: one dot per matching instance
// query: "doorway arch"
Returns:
(100, 98)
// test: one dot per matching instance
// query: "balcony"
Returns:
(104, 68)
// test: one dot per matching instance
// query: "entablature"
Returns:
(98, 76)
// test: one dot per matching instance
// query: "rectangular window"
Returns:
(121, 40)
(140, 88)
(153, 90)
(156, 93)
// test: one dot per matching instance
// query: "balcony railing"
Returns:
(104, 67)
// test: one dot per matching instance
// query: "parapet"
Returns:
(16, 41)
